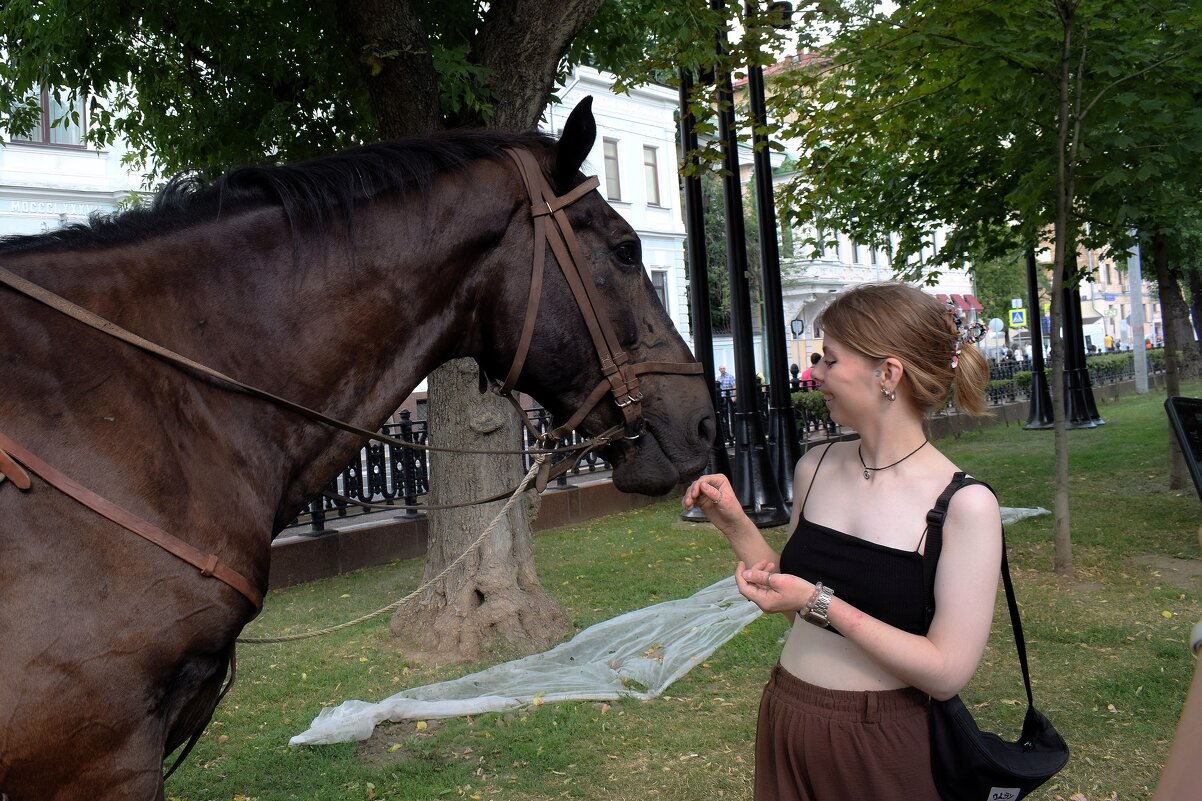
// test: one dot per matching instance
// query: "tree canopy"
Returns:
(1002, 121)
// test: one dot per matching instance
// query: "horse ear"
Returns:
(574, 144)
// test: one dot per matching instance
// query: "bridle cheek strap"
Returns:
(620, 376)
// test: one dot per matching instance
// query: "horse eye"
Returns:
(627, 253)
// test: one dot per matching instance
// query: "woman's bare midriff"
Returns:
(823, 658)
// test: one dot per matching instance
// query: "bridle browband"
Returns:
(620, 375)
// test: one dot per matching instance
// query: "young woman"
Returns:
(844, 714)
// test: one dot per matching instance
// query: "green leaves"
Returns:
(947, 112)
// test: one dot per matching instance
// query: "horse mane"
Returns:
(310, 193)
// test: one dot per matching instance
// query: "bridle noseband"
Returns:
(620, 375)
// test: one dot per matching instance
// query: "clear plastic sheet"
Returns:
(635, 655)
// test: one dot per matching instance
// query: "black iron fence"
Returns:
(393, 476)
(1010, 380)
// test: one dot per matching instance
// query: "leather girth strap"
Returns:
(208, 564)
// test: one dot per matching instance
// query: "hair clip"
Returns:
(966, 334)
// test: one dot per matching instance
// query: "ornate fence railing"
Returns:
(388, 475)
(395, 476)
(1010, 380)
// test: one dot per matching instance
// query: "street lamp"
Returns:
(784, 449)
(755, 482)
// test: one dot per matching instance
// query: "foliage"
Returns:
(718, 272)
(202, 86)
(809, 402)
(1001, 121)
(946, 113)
(997, 281)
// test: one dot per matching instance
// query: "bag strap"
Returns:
(935, 519)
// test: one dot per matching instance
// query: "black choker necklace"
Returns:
(868, 471)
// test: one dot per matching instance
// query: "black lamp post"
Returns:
(784, 449)
(755, 482)
(699, 290)
(1040, 416)
(1080, 410)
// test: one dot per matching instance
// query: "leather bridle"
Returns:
(620, 375)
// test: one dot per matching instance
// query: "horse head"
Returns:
(597, 348)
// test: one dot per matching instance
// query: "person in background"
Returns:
(844, 714)
(726, 381)
(808, 373)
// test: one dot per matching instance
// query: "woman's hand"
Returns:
(714, 496)
(772, 591)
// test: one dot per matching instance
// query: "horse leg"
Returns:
(113, 755)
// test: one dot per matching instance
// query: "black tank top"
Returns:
(886, 583)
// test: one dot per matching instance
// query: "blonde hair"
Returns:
(895, 320)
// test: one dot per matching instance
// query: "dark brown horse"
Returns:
(111, 649)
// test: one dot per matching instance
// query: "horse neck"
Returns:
(347, 327)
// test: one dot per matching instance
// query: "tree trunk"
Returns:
(1063, 562)
(522, 43)
(1172, 306)
(1176, 314)
(400, 77)
(494, 599)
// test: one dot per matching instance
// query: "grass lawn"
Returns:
(1107, 647)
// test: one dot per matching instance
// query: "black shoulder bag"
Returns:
(969, 764)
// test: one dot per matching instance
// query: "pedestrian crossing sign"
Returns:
(1018, 318)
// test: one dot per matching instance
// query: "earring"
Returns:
(889, 395)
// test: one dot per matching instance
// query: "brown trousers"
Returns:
(815, 744)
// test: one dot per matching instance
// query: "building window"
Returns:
(613, 184)
(61, 122)
(872, 256)
(651, 173)
(659, 280)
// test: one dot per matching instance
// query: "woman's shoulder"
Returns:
(974, 497)
(975, 506)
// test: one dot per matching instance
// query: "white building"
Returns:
(52, 178)
(635, 156)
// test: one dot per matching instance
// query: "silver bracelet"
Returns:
(1195, 640)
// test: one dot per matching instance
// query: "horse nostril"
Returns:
(707, 427)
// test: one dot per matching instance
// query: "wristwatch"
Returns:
(816, 614)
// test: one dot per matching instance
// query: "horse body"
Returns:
(114, 649)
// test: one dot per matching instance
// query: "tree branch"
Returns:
(521, 43)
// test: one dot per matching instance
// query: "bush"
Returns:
(809, 404)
